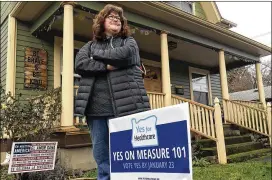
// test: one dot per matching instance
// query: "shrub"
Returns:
(30, 119)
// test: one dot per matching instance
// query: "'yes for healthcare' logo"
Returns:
(144, 132)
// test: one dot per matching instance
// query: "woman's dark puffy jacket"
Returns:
(125, 84)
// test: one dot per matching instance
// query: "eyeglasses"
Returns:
(111, 17)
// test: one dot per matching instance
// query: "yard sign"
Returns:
(152, 145)
(32, 156)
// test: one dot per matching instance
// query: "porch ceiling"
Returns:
(30, 11)
(185, 51)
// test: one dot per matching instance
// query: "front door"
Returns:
(152, 81)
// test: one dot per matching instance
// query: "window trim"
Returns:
(202, 72)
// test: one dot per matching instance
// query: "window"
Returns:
(183, 5)
(200, 86)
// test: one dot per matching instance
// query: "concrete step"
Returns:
(208, 143)
(244, 156)
(264, 158)
(234, 148)
(227, 127)
(228, 133)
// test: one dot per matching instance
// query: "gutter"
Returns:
(209, 25)
(228, 23)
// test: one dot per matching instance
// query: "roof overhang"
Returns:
(175, 17)
(167, 17)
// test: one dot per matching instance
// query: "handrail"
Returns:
(193, 102)
(157, 93)
(250, 103)
(256, 102)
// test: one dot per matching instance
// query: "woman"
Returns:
(111, 84)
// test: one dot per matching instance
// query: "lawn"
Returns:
(234, 171)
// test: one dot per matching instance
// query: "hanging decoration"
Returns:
(81, 16)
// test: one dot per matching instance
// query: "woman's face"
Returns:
(112, 24)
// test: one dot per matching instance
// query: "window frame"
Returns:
(201, 72)
(191, 4)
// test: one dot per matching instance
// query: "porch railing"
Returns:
(156, 100)
(202, 117)
(77, 120)
(206, 121)
(254, 119)
(250, 103)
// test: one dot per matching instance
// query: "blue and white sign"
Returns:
(152, 145)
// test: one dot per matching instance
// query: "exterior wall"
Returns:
(199, 12)
(216, 86)
(25, 39)
(5, 8)
(4, 44)
(179, 72)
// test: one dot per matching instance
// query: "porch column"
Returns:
(166, 84)
(67, 115)
(260, 84)
(223, 75)
(11, 56)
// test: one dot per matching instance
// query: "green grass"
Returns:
(235, 171)
(91, 174)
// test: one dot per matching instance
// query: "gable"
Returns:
(211, 11)
(199, 12)
(213, 15)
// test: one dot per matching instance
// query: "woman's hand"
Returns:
(111, 68)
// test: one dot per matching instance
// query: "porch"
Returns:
(186, 62)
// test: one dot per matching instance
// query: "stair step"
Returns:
(263, 158)
(231, 132)
(208, 143)
(248, 155)
(234, 148)
(230, 127)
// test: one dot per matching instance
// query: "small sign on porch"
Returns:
(35, 68)
(32, 156)
(152, 145)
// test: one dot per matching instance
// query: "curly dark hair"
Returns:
(98, 26)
